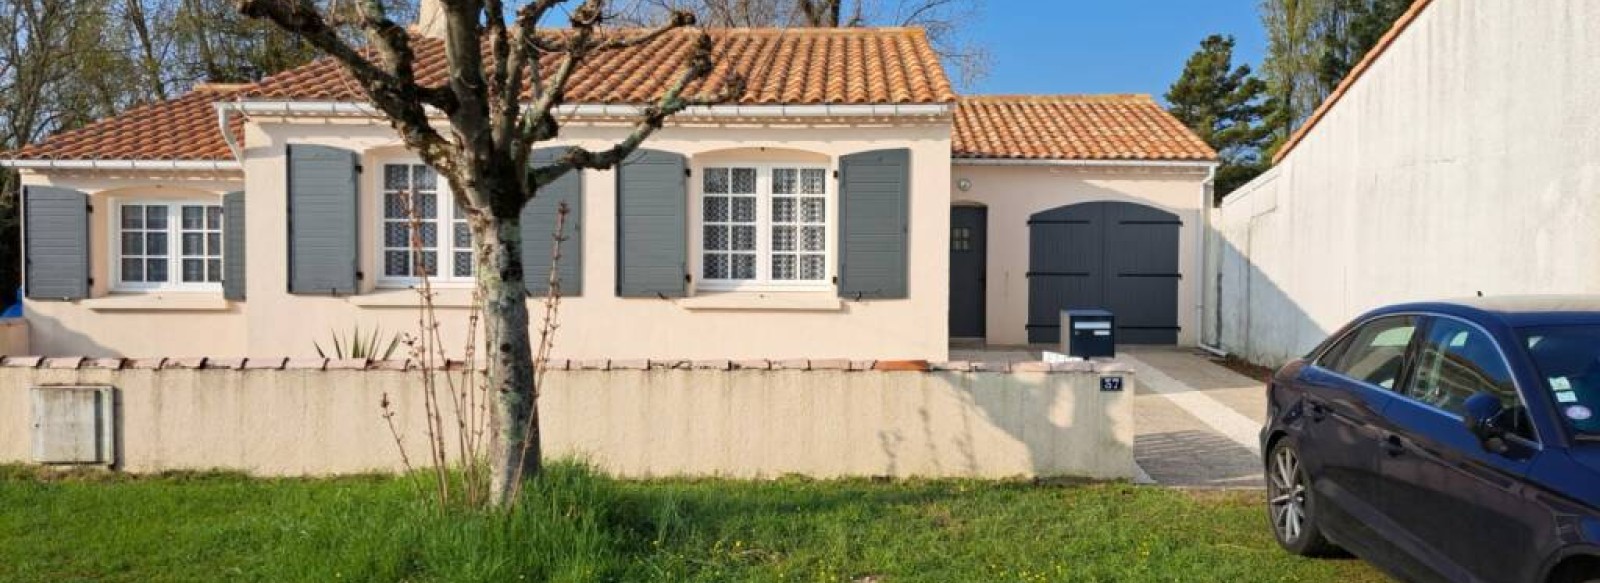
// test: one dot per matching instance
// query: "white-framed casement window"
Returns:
(404, 265)
(764, 227)
(167, 245)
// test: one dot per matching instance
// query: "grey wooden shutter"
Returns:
(323, 220)
(539, 225)
(652, 232)
(57, 243)
(874, 195)
(233, 271)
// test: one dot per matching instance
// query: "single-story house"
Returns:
(849, 205)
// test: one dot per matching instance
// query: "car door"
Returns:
(1345, 392)
(1457, 507)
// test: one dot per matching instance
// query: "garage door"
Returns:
(1117, 256)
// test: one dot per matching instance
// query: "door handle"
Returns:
(1392, 444)
(1318, 411)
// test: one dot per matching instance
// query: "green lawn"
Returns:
(576, 526)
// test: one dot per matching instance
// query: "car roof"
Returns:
(1515, 311)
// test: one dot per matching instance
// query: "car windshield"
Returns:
(1568, 359)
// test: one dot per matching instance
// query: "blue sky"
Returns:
(1105, 46)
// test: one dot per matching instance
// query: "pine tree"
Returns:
(1226, 106)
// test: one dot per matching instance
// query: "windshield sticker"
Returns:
(1567, 397)
(1579, 413)
(1560, 384)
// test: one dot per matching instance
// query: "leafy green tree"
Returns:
(1351, 29)
(1226, 106)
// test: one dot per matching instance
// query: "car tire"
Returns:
(1291, 505)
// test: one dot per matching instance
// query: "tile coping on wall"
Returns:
(323, 364)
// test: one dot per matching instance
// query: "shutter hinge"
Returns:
(688, 278)
(88, 208)
(360, 168)
(361, 276)
(835, 280)
(688, 173)
(91, 281)
(835, 173)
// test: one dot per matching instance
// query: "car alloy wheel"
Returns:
(1286, 495)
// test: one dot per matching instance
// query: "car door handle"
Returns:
(1318, 411)
(1392, 444)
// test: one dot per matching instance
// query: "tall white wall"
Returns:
(1465, 160)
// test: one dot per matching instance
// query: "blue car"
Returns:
(1450, 441)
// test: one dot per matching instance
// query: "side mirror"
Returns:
(1481, 418)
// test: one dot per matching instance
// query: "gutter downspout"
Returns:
(1206, 202)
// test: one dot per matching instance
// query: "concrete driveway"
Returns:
(1195, 421)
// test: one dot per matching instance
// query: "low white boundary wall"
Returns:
(742, 420)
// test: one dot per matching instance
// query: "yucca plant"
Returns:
(358, 345)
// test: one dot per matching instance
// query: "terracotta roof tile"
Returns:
(789, 66)
(793, 66)
(1072, 127)
(184, 128)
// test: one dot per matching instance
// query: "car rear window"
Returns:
(1568, 360)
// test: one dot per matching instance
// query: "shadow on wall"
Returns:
(48, 336)
(1252, 316)
(1065, 432)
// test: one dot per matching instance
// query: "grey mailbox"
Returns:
(1089, 333)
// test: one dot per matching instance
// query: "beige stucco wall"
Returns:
(1013, 193)
(632, 423)
(598, 324)
(108, 324)
(1466, 160)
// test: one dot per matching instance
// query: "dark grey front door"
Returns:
(969, 251)
(1117, 256)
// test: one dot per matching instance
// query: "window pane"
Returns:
(783, 210)
(785, 181)
(213, 270)
(813, 238)
(194, 217)
(430, 235)
(744, 209)
(426, 205)
(155, 243)
(463, 236)
(744, 181)
(743, 267)
(716, 181)
(715, 209)
(1376, 351)
(396, 234)
(715, 266)
(214, 218)
(783, 239)
(155, 270)
(716, 237)
(213, 243)
(744, 238)
(194, 270)
(814, 181)
(193, 244)
(783, 267)
(813, 267)
(463, 264)
(155, 217)
(397, 263)
(814, 210)
(133, 270)
(1455, 362)
(430, 263)
(396, 177)
(424, 178)
(132, 216)
(132, 244)
(1568, 360)
(394, 206)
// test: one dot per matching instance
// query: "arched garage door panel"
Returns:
(1113, 255)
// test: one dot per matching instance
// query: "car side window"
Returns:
(1375, 352)
(1458, 360)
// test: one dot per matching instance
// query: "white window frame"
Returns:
(174, 253)
(763, 281)
(445, 247)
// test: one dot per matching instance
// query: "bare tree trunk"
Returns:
(514, 439)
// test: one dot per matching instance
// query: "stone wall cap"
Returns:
(265, 363)
(193, 362)
(23, 361)
(901, 366)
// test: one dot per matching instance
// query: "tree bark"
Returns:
(514, 440)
